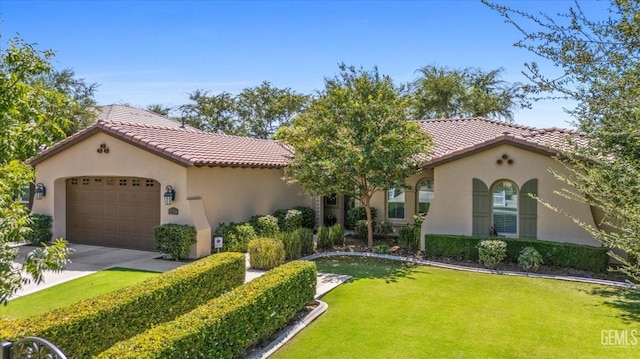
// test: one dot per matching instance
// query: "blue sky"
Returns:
(143, 52)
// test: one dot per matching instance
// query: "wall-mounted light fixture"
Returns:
(41, 191)
(169, 196)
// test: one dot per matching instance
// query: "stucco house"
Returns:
(112, 182)
(106, 184)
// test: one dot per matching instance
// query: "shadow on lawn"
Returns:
(623, 299)
(366, 268)
(128, 270)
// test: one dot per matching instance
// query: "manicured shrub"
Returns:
(381, 249)
(324, 239)
(356, 214)
(567, 255)
(449, 246)
(361, 229)
(236, 236)
(492, 252)
(280, 214)
(175, 239)
(266, 253)
(292, 220)
(409, 238)
(336, 235)
(292, 245)
(308, 217)
(40, 229)
(384, 228)
(305, 237)
(225, 327)
(530, 259)
(86, 328)
(267, 226)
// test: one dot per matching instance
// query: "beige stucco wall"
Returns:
(451, 209)
(236, 194)
(379, 199)
(124, 160)
(204, 196)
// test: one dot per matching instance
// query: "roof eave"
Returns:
(498, 141)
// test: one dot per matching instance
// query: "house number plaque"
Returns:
(173, 211)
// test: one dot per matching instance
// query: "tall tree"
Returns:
(33, 114)
(78, 90)
(354, 139)
(443, 92)
(211, 113)
(256, 111)
(160, 109)
(600, 63)
(263, 109)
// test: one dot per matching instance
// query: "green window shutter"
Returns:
(529, 210)
(481, 208)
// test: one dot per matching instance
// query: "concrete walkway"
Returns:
(87, 259)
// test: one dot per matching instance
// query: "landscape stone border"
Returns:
(610, 283)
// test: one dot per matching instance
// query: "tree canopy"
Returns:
(256, 111)
(440, 92)
(354, 139)
(600, 64)
(37, 108)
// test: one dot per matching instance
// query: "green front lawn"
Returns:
(73, 291)
(395, 310)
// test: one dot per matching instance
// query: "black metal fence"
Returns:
(30, 348)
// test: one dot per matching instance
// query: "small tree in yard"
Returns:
(354, 139)
(38, 106)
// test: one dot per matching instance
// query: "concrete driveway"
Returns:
(87, 259)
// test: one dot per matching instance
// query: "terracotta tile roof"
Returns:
(120, 113)
(185, 146)
(459, 137)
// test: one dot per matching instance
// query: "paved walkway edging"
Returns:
(610, 283)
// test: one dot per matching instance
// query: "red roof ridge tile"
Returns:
(481, 119)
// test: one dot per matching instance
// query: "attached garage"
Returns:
(113, 211)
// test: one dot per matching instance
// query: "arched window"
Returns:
(505, 208)
(424, 197)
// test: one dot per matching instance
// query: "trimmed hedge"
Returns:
(40, 229)
(175, 239)
(226, 326)
(236, 236)
(86, 328)
(568, 255)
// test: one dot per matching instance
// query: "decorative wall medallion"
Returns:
(103, 148)
(504, 158)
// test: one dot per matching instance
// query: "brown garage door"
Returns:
(113, 211)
